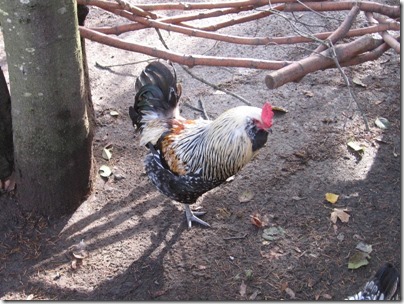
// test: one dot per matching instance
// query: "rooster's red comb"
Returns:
(267, 115)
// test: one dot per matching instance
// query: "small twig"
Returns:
(192, 107)
(200, 79)
(341, 31)
(215, 86)
(107, 67)
(203, 109)
(348, 84)
(235, 237)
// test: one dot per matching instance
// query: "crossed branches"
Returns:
(363, 47)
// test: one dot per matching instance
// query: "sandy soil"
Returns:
(138, 245)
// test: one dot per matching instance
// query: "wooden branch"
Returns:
(387, 10)
(205, 15)
(188, 60)
(119, 29)
(390, 40)
(243, 19)
(341, 31)
(207, 5)
(135, 10)
(320, 61)
(369, 56)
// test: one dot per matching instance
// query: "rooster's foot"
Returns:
(192, 217)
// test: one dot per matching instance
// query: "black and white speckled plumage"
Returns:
(182, 188)
(385, 285)
(190, 157)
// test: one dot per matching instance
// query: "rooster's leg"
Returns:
(192, 217)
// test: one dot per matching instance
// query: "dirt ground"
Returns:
(138, 245)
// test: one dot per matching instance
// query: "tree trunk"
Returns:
(6, 135)
(51, 130)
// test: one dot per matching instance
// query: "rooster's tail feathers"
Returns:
(385, 285)
(157, 94)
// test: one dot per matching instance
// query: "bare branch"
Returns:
(320, 61)
(341, 31)
(387, 10)
(386, 36)
(189, 60)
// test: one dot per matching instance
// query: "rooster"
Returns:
(385, 285)
(190, 157)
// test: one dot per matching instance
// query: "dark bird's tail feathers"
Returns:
(385, 285)
(157, 94)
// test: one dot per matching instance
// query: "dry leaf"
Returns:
(308, 93)
(254, 295)
(243, 289)
(339, 214)
(74, 264)
(106, 154)
(255, 220)
(30, 297)
(358, 82)
(326, 296)
(246, 196)
(79, 251)
(364, 247)
(356, 147)
(279, 109)
(290, 292)
(331, 197)
(114, 113)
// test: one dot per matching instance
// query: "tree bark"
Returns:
(6, 131)
(51, 129)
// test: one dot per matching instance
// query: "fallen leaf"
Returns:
(326, 296)
(340, 237)
(30, 297)
(358, 259)
(246, 196)
(248, 274)
(273, 233)
(364, 247)
(114, 113)
(105, 171)
(273, 254)
(356, 147)
(79, 251)
(316, 297)
(279, 109)
(331, 197)
(255, 220)
(74, 264)
(339, 214)
(290, 292)
(254, 295)
(297, 198)
(358, 82)
(308, 93)
(106, 154)
(243, 289)
(382, 123)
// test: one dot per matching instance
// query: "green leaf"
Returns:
(105, 171)
(273, 233)
(358, 259)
